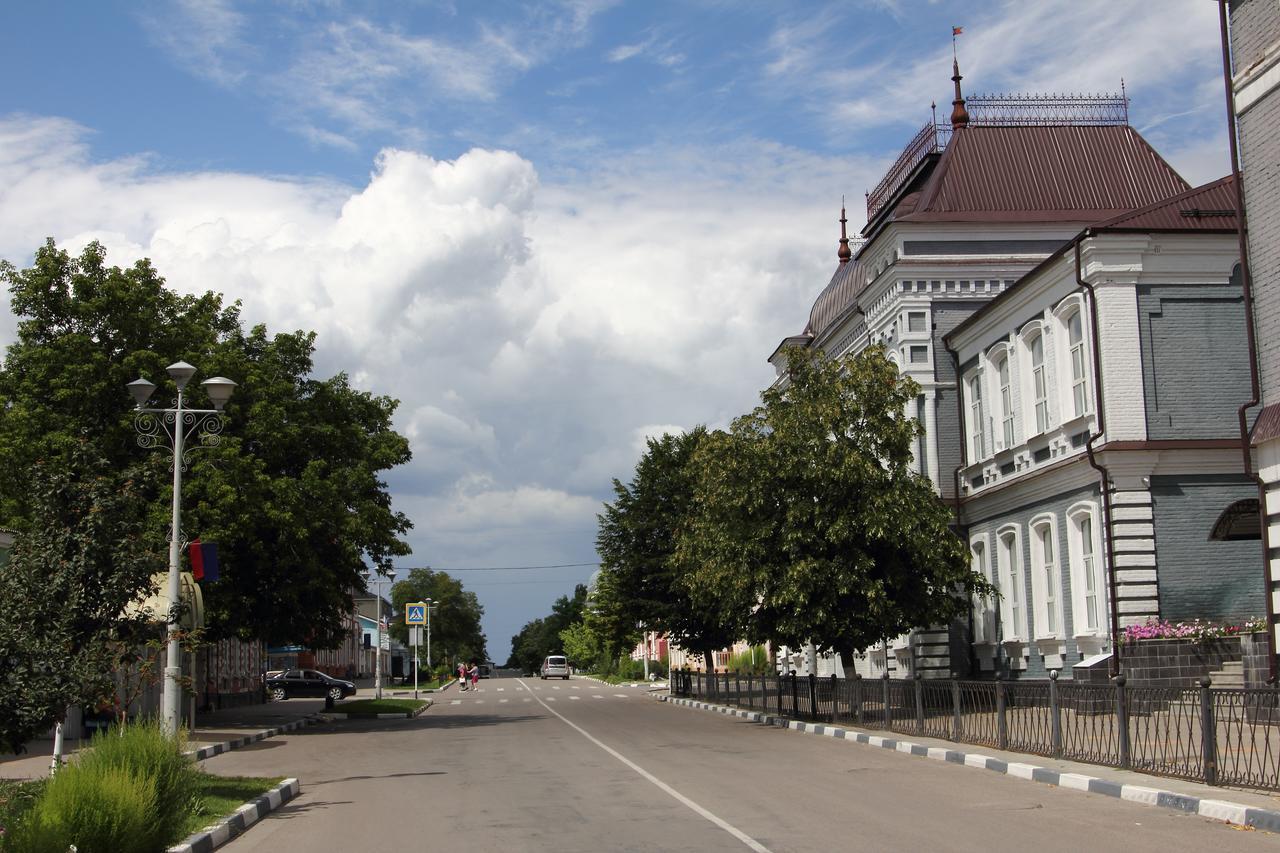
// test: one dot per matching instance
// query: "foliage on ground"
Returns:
(361, 707)
(220, 796)
(131, 791)
(16, 799)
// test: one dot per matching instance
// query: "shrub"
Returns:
(97, 809)
(143, 749)
(754, 659)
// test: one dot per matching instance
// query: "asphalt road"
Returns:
(527, 765)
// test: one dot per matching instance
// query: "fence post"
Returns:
(1055, 714)
(835, 697)
(919, 703)
(795, 696)
(957, 730)
(813, 696)
(1002, 724)
(1122, 722)
(856, 699)
(737, 687)
(780, 678)
(1208, 733)
(885, 683)
(751, 693)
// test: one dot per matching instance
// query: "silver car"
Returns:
(555, 666)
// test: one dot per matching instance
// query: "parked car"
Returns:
(294, 683)
(555, 666)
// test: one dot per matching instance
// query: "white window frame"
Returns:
(1065, 359)
(984, 607)
(1079, 579)
(1046, 578)
(1004, 392)
(975, 415)
(924, 321)
(1012, 583)
(1039, 413)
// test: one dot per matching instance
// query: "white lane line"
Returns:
(478, 702)
(500, 689)
(575, 698)
(575, 687)
(456, 702)
(555, 687)
(621, 695)
(720, 822)
(526, 699)
(597, 696)
(501, 701)
(549, 699)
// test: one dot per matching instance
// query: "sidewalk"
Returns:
(1233, 805)
(212, 727)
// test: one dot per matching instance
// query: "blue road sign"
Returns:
(415, 614)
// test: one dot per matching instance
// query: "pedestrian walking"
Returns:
(474, 672)
(462, 676)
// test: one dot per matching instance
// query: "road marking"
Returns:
(500, 701)
(575, 687)
(555, 687)
(621, 695)
(597, 696)
(478, 702)
(500, 689)
(456, 702)
(526, 699)
(549, 699)
(575, 698)
(720, 822)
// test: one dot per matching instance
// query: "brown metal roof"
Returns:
(836, 298)
(1211, 207)
(1043, 173)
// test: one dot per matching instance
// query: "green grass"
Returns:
(379, 706)
(220, 796)
(16, 798)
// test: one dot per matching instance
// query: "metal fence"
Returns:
(1222, 736)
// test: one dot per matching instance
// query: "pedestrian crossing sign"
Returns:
(416, 613)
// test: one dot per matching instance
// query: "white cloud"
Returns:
(535, 333)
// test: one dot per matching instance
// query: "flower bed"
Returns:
(1195, 631)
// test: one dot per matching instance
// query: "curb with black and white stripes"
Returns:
(1227, 812)
(398, 715)
(226, 746)
(244, 817)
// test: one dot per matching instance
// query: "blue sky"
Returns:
(549, 228)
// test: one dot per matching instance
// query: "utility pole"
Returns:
(377, 653)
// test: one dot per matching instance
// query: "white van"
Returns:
(555, 666)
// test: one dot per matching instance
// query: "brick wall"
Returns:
(1176, 663)
(1260, 161)
(1255, 24)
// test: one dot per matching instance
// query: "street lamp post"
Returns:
(172, 427)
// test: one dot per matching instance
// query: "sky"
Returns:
(550, 229)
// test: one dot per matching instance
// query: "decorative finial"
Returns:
(959, 115)
(843, 254)
(1124, 98)
(933, 108)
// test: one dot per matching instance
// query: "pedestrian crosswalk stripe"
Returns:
(456, 702)
(575, 687)
(500, 701)
(575, 698)
(551, 698)
(596, 696)
(500, 689)
(621, 695)
(527, 699)
(479, 702)
(555, 687)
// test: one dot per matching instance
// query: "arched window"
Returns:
(1076, 356)
(1006, 400)
(1046, 577)
(1009, 569)
(1087, 584)
(976, 417)
(1039, 383)
(1238, 521)
(984, 622)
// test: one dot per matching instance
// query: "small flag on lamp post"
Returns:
(204, 560)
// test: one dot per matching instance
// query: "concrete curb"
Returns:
(1221, 810)
(232, 826)
(226, 746)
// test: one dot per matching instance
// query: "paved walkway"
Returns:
(212, 727)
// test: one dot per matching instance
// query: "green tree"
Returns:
(640, 581)
(456, 634)
(582, 647)
(808, 522)
(293, 494)
(541, 637)
(66, 591)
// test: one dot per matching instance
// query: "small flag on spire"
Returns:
(955, 31)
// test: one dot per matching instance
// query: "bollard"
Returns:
(1055, 714)
(1208, 733)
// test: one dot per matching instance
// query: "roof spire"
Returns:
(959, 115)
(843, 254)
